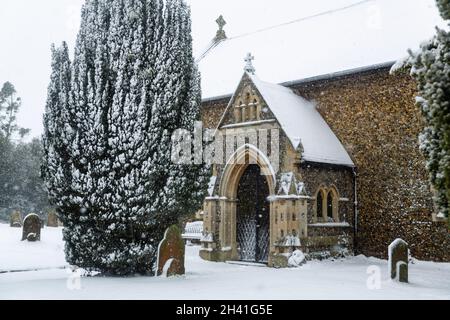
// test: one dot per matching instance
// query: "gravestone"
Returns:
(171, 253)
(15, 220)
(398, 260)
(31, 228)
(52, 220)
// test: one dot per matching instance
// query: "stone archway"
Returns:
(243, 158)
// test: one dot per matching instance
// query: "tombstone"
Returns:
(171, 252)
(15, 220)
(52, 220)
(398, 260)
(31, 228)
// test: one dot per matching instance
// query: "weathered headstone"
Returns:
(31, 228)
(52, 220)
(171, 253)
(15, 220)
(398, 260)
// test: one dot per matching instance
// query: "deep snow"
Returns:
(340, 279)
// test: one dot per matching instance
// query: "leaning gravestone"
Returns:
(31, 228)
(52, 220)
(398, 260)
(15, 220)
(171, 254)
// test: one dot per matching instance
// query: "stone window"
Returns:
(319, 205)
(330, 215)
(326, 207)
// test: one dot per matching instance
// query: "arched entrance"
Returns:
(253, 216)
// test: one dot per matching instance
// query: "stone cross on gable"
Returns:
(221, 35)
(221, 22)
(248, 63)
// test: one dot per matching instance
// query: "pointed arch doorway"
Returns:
(253, 216)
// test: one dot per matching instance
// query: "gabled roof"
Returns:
(303, 125)
(302, 50)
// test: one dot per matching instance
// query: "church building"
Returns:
(328, 164)
(260, 214)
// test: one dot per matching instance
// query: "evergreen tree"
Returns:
(108, 170)
(9, 107)
(431, 69)
(20, 185)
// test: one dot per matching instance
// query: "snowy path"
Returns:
(344, 279)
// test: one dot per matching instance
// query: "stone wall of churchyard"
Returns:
(375, 117)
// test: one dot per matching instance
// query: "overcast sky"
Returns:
(28, 28)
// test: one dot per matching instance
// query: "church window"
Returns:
(319, 204)
(330, 205)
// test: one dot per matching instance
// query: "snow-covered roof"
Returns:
(303, 124)
(308, 48)
(279, 58)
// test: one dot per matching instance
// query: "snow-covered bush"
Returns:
(430, 66)
(297, 259)
(108, 124)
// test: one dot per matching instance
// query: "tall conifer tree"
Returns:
(133, 83)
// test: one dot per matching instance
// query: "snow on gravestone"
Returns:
(31, 228)
(398, 260)
(171, 252)
(15, 220)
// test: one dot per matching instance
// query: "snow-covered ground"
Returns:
(24, 255)
(341, 279)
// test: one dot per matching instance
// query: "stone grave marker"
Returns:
(31, 228)
(398, 253)
(171, 253)
(52, 220)
(15, 220)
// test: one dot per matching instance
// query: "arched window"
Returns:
(319, 205)
(330, 213)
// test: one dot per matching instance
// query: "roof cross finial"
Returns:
(248, 63)
(221, 35)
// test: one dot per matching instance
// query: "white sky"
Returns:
(375, 32)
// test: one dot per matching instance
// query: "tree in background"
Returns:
(431, 69)
(9, 107)
(21, 187)
(109, 120)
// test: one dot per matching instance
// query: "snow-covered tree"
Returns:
(55, 167)
(9, 108)
(431, 68)
(133, 82)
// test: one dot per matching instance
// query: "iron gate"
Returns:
(253, 212)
